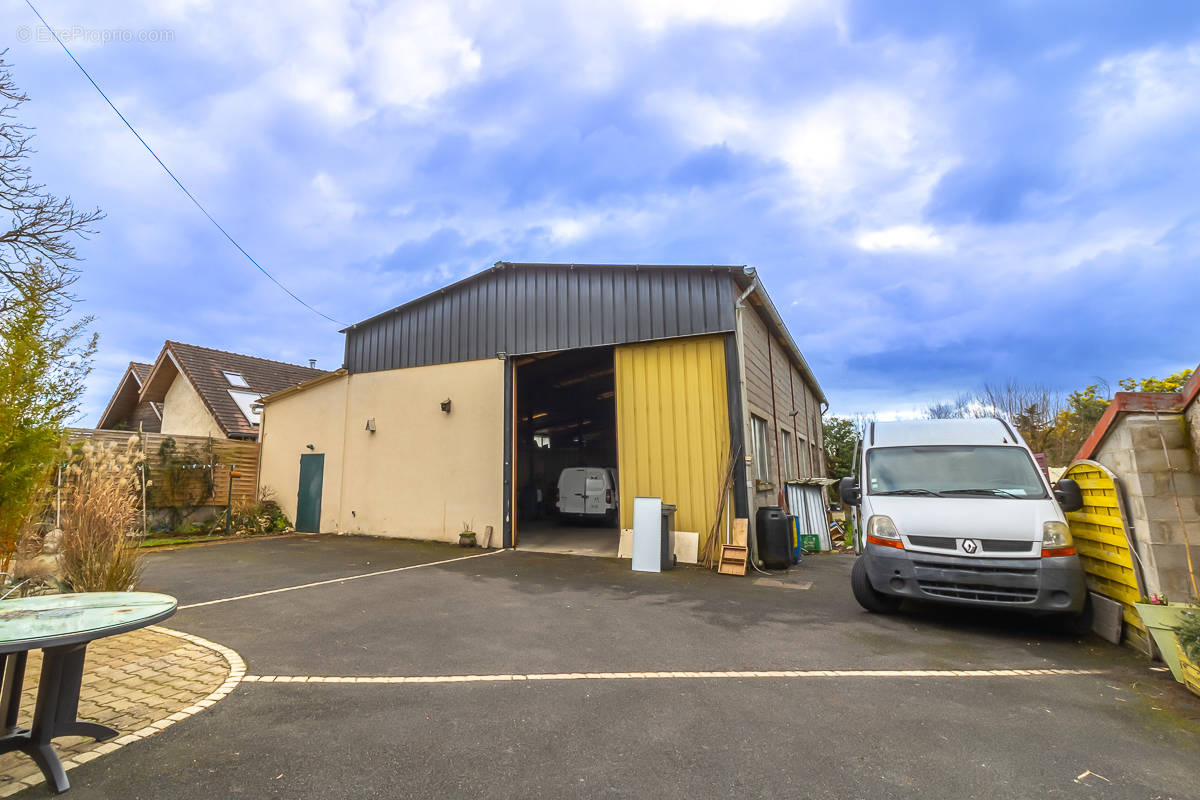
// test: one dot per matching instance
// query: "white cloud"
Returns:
(569, 230)
(413, 54)
(1140, 95)
(853, 142)
(659, 14)
(913, 238)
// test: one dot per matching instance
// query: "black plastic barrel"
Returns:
(774, 537)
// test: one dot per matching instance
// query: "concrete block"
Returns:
(1119, 461)
(1187, 484)
(1154, 460)
(1164, 532)
(1166, 558)
(1145, 431)
(1167, 509)
(1137, 505)
(1175, 583)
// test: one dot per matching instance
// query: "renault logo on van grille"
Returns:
(970, 546)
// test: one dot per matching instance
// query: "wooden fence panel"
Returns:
(230, 455)
(1102, 539)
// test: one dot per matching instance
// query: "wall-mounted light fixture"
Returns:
(310, 447)
(500, 354)
(446, 405)
(371, 424)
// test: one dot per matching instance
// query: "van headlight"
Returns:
(881, 527)
(1055, 534)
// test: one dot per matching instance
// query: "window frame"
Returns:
(788, 454)
(250, 397)
(762, 452)
(229, 378)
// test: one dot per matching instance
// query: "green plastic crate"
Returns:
(810, 543)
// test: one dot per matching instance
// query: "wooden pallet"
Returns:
(735, 554)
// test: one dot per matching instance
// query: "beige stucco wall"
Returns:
(184, 413)
(315, 416)
(421, 474)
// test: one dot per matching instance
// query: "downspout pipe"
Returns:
(739, 306)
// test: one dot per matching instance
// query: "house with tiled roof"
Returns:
(126, 410)
(198, 391)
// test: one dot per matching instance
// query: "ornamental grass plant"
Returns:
(99, 551)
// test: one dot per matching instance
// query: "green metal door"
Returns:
(308, 501)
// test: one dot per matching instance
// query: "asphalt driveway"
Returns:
(424, 611)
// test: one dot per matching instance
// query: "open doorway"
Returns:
(566, 443)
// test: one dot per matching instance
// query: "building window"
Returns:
(762, 460)
(789, 455)
(247, 403)
(235, 379)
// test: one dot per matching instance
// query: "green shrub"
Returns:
(1188, 634)
(256, 518)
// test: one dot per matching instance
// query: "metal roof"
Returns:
(523, 308)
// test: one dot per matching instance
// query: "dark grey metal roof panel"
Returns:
(531, 308)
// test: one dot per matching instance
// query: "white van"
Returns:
(588, 493)
(957, 511)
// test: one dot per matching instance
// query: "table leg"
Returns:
(51, 767)
(66, 722)
(56, 709)
(12, 667)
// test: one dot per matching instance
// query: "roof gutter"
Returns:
(781, 329)
(300, 387)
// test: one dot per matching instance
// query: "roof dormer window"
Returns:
(246, 402)
(235, 379)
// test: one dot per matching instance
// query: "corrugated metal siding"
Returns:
(773, 401)
(672, 427)
(539, 308)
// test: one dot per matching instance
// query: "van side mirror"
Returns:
(849, 492)
(1067, 493)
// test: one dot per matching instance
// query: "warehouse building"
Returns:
(460, 409)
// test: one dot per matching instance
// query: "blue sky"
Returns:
(936, 194)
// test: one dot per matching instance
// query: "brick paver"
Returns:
(129, 682)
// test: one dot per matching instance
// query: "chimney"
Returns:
(312, 363)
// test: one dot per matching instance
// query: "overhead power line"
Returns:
(167, 169)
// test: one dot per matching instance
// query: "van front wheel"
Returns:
(865, 594)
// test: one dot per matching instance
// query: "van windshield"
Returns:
(954, 471)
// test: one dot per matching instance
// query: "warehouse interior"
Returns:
(565, 416)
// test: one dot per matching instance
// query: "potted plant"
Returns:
(466, 537)
(1162, 619)
(1187, 640)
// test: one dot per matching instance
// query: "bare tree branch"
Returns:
(40, 230)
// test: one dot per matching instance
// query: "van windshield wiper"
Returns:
(925, 492)
(993, 492)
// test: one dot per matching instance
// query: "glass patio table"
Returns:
(61, 626)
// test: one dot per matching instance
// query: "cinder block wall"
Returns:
(1160, 488)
